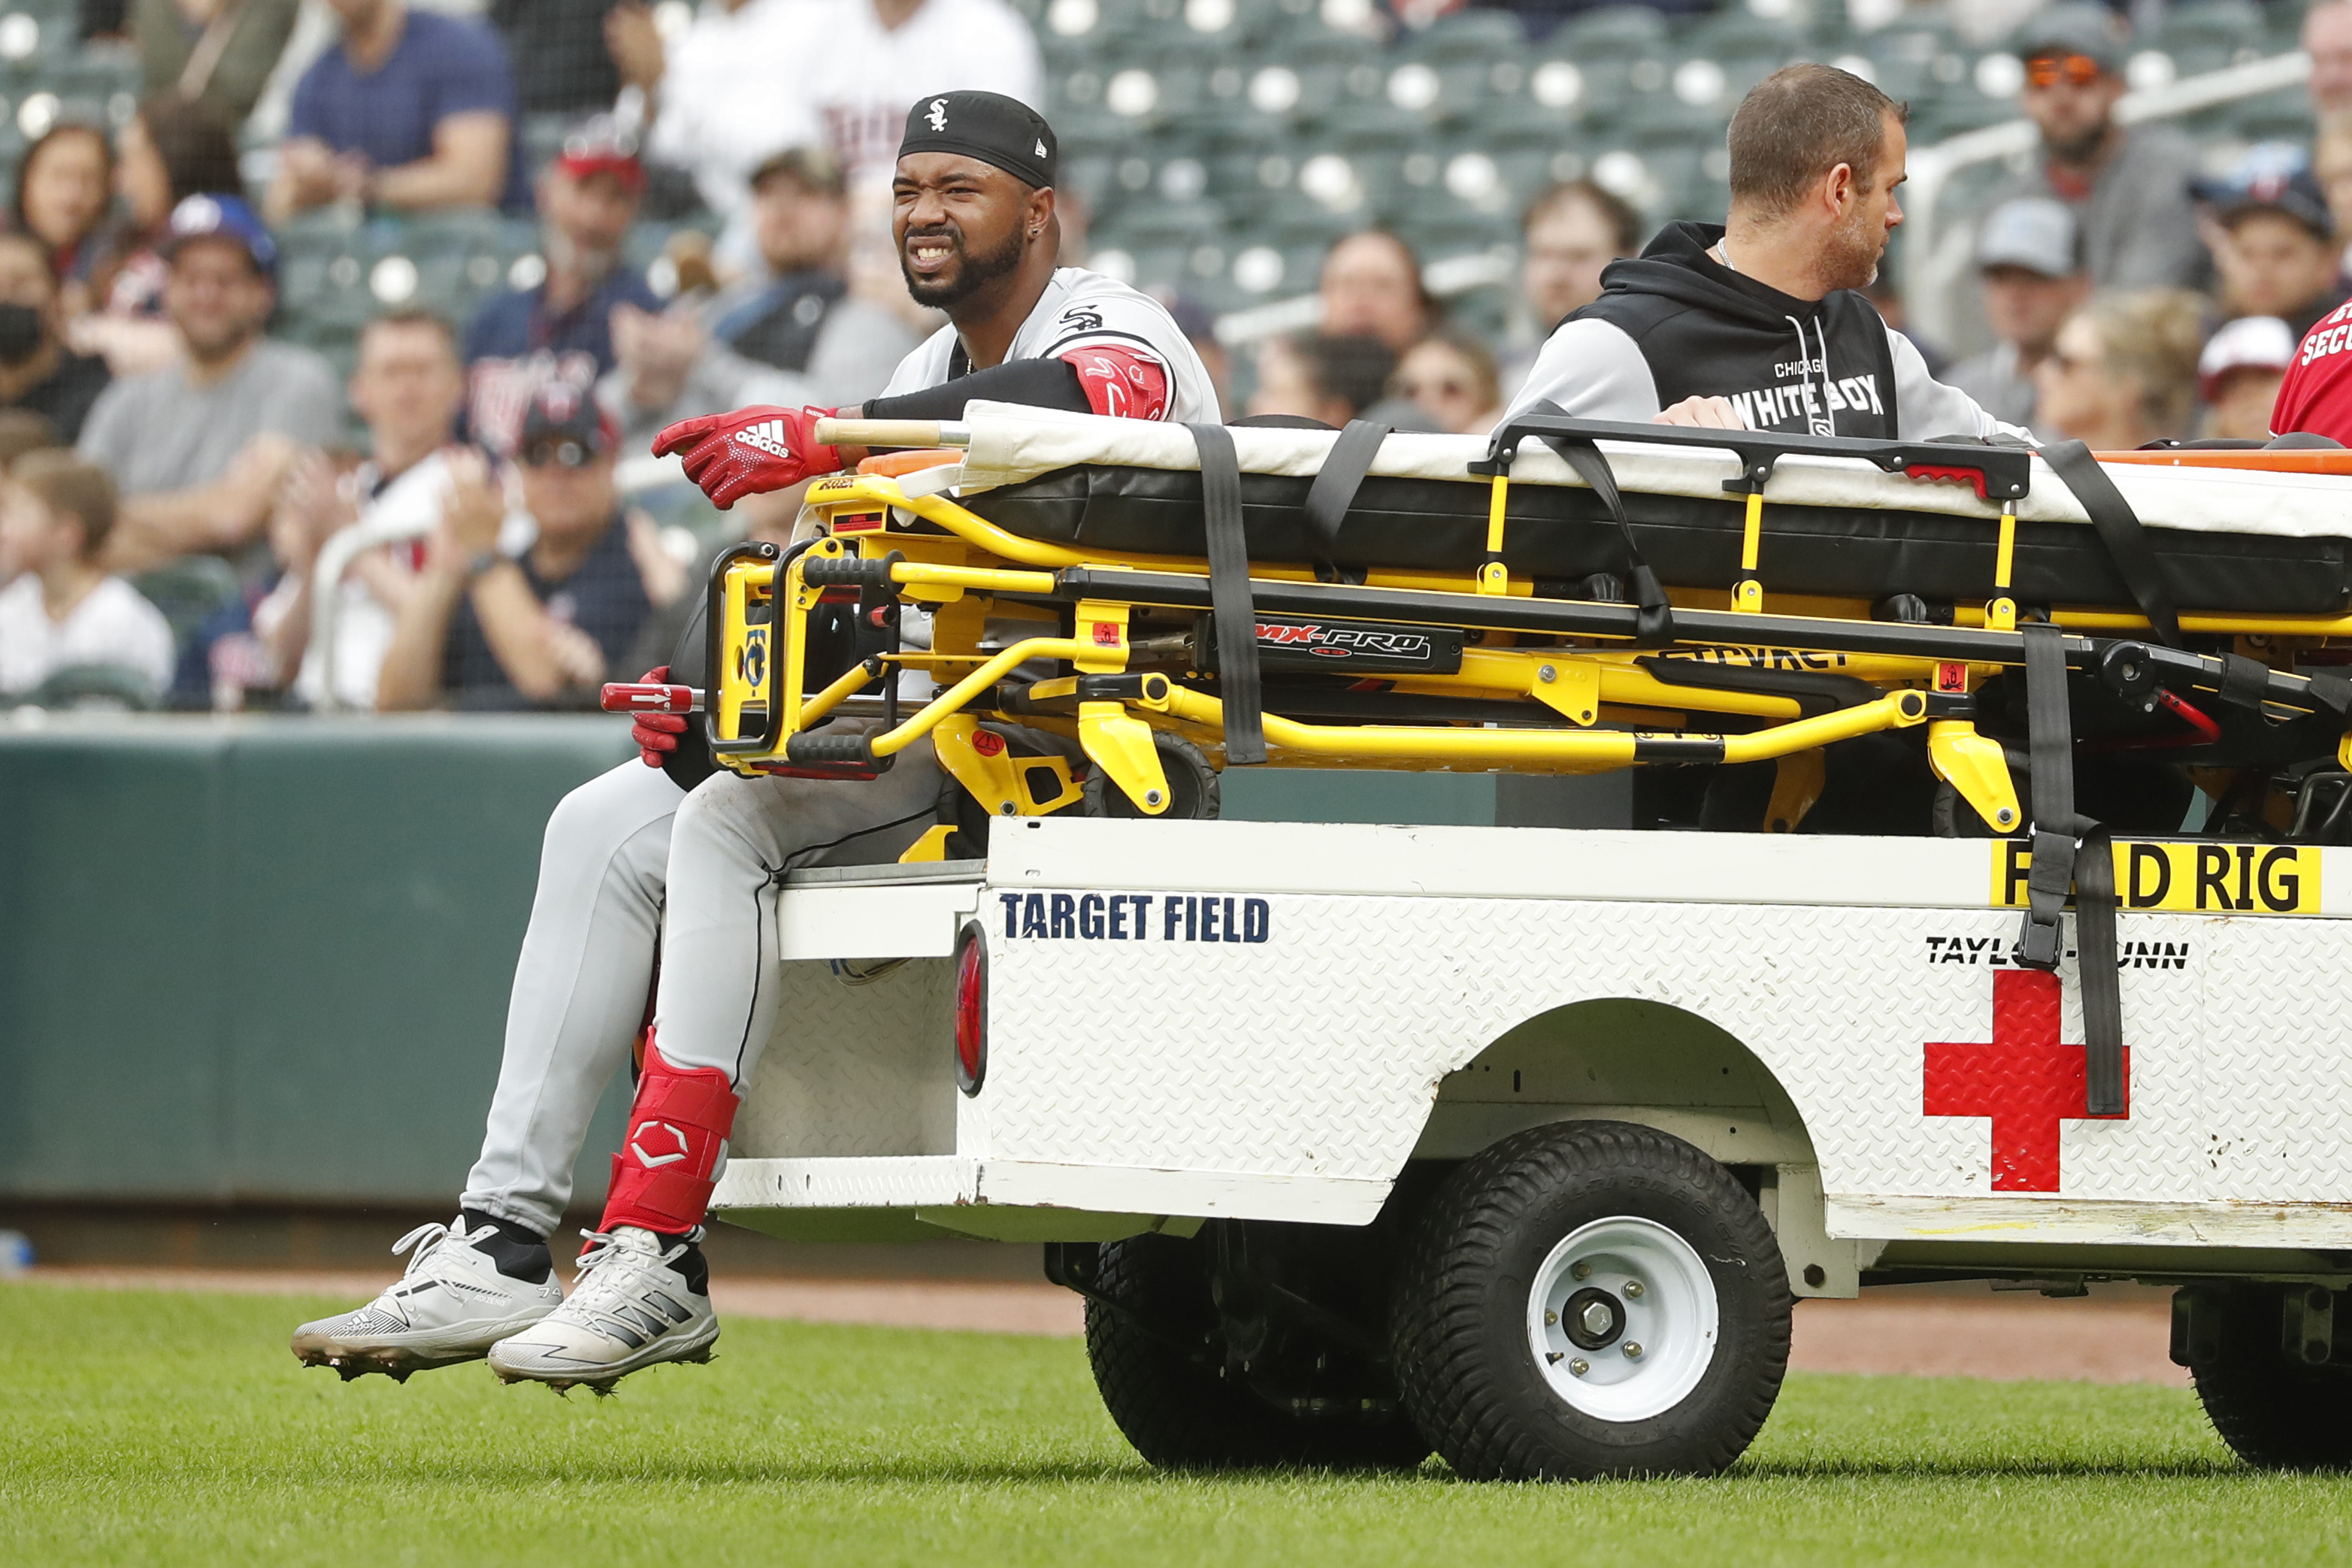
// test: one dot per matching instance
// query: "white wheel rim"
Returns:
(1648, 1294)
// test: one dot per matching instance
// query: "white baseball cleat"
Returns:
(636, 1302)
(451, 1305)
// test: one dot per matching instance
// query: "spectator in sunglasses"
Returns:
(2128, 188)
(1452, 378)
(495, 623)
(2123, 371)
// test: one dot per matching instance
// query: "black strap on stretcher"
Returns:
(1341, 476)
(2120, 531)
(1230, 606)
(2070, 854)
(2244, 681)
(1654, 616)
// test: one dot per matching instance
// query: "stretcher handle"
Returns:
(1999, 473)
(892, 433)
(648, 697)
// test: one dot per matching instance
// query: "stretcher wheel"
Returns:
(1191, 784)
(1645, 1327)
(1169, 1377)
(2275, 1407)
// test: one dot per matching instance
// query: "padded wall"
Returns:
(267, 959)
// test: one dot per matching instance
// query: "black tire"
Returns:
(2273, 1411)
(1466, 1364)
(1192, 785)
(1151, 1339)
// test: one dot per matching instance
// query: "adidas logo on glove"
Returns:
(768, 436)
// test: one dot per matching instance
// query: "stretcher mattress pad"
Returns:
(2226, 540)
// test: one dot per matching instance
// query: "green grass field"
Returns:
(176, 1429)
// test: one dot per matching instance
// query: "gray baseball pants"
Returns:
(616, 849)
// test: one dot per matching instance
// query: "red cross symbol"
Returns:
(2027, 1080)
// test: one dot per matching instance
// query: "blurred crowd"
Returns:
(198, 513)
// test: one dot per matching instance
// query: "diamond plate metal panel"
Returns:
(1317, 1051)
(855, 1068)
(2279, 1006)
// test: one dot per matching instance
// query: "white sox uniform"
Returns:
(624, 842)
(736, 838)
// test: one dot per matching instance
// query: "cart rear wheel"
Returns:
(1594, 1299)
(1153, 1341)
(2274, 1409)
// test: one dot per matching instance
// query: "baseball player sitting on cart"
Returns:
(977, 236)
(1757, 325)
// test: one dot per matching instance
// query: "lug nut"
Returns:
(1632, 1350)
(1633, 1290)
(1551, 1319)
(1579, 1271)
(1579, 1366)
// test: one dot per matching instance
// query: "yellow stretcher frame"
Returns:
(1590, 691)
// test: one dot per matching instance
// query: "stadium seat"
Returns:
(190, 591)
(93, 687)
(2209, 36)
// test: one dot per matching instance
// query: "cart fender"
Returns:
(1656, 1065)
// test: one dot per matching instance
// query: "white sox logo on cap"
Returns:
(939, 116)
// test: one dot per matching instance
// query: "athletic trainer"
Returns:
(1761, 324)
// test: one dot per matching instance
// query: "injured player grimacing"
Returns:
(977, 236)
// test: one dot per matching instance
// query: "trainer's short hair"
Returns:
(1798, 124)
(64, 483)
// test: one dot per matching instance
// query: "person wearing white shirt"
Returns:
(408, 386)
(723, 94)
(877, 57)
(65, 611)
(752, 77)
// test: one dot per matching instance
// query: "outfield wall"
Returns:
(265, 960)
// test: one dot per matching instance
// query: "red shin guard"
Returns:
(661, 1177)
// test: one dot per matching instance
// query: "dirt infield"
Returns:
(1900, 1331)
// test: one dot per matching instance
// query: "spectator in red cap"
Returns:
(562, 328)
(536, 625)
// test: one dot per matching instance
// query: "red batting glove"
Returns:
(656, 733)
(750, 451)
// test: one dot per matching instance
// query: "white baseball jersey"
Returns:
(1083, 309)
(862, 77)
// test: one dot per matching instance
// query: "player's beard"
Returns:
(1851, 252)
(978, 268)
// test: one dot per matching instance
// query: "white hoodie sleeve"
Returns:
(1593, 371)
(1926, 408)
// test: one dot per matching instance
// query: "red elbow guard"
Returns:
(1119, 381)
(681, 1118)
